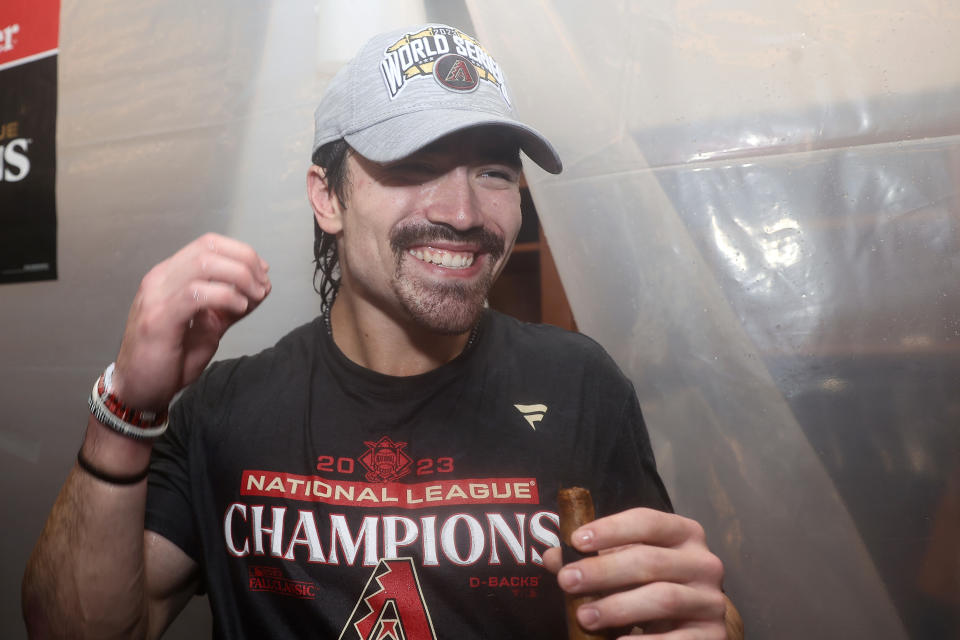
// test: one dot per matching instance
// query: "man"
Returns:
(389, 470)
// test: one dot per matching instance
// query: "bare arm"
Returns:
(94, 571)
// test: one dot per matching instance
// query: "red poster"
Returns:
(29, 30)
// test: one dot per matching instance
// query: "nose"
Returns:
(453, 201)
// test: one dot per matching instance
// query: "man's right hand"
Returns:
(183, 307)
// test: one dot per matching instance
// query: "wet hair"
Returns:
(332, 158)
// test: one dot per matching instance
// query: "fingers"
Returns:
(647, 526)
(641, 564)
(244, 277)
(222, 261)
(656, 601)
(217, 245)
(211, 273)
(205, 295)
(553, 559)
(652, 566)
(639, 546)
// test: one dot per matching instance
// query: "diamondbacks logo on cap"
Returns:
(455, 72)
(455, 60)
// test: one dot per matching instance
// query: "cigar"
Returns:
(576, 508)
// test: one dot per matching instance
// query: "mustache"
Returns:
(422, 233)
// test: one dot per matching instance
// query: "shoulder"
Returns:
(539, 335)
(549, 346)
(290, 356)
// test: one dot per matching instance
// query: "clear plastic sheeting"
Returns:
(759, 219)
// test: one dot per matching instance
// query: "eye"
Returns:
(505, 174)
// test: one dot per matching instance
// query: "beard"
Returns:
(448, 308)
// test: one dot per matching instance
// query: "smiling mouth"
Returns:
(443, 258)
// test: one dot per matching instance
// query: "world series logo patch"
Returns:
(455, 60)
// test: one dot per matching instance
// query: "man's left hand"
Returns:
(656, 570)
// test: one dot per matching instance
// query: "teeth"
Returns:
(443, 258)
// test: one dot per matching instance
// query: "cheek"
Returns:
(426, 193)
(359, 247)
(509, 215)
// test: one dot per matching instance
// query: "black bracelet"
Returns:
(106, 477)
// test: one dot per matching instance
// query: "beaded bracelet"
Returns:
(112, 413)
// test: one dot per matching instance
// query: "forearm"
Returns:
(85, 577)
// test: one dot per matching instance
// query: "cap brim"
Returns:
(404, 134)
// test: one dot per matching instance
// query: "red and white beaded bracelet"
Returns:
(113, 413)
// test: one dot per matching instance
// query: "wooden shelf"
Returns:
(529, 287)
(526, 247)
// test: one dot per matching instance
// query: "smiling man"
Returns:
(391, 469)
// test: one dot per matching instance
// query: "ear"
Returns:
(325, 203)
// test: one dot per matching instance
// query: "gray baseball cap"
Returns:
(410, 87)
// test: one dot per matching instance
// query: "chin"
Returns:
(451, 326)
(449, 310)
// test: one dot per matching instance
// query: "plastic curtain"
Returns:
(758, 217)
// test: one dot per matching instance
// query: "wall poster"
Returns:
(29, 32)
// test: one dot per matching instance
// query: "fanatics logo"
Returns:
(532, 412)
(385, 460)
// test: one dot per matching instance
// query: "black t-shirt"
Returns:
(324, 500)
